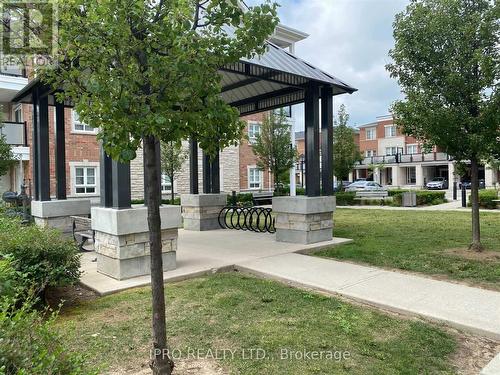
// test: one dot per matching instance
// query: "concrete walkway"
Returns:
(201, 253)
(453, 206)
(472, 309)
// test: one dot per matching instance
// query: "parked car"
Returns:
(468, 184)
(365, 186)
(341, 186)
(438, 183)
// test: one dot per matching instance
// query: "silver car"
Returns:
(365, 186)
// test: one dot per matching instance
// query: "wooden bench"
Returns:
(263, 198)
(82, 231)
(497, 201)
(372, 194)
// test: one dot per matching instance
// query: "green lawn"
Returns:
(233, 311)
(419, 241)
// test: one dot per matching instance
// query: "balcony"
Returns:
(12, 80)
(14, 132)
(406, 158)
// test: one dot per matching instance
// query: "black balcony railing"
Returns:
(405, 158)
(15, 133)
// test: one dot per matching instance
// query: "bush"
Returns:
(345, 198)
(242, 199)
(424, 197)
(394, 192)
(486, 198)
(176, 202)
(42, 256)
(30, 346)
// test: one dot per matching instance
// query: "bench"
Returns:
(372, 194)
(497, 201)
(263, 198)
(82, 231)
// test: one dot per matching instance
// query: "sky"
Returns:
(351, 40)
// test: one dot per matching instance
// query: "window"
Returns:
(411, 175)
(254, 178)
(253, 131)
(371, 134)
(412, 149)
(166, 184)
(17, 113)
(85, 180)
(370, 153)
(391, 151)
(80, 126)
(287, 111)
(390, 131)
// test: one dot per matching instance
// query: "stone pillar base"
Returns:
(201, 211)
(122, 240)
(56, 214)
(304, 220)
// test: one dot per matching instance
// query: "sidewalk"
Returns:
(471, 309)
(453, 206)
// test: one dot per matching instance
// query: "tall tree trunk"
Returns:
(172, 188)
(476, 229)
(161, 364)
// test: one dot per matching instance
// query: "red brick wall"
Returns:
(247, 156)
(79, 147)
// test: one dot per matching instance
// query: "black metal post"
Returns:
(120, 176)
(207, 175)
(60, 151)
(312, 147)
(193, 166)
(464, 196)
(36, 191)
(215, 174)
(106, 180)
(327, 141)
(455, 192)
(43, 149)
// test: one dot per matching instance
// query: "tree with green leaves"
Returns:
(446, 60)
(143, 71)
(345, 150)
(173, 157)
(7, 159)
(273, 147)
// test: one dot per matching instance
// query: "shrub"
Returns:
(42, 256)
(486, 198)
(394, 192)
(242, 199)
(345, 198)
(424, 197)
(11, 281)
(29, 344)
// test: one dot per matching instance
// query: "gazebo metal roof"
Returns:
(273, 80)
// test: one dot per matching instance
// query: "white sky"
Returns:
(351, 40)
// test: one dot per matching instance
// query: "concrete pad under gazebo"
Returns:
(274, 80)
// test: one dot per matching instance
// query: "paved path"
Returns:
(453, 206)
(473, 309)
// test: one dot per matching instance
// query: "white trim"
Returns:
(261, 174)
(251, 140)
(79, 131)
(72, 171)
(374, 128)
(392, 127)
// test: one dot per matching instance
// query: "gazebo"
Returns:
(274, 80)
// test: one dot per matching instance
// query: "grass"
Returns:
(233, 311)
(418, 241)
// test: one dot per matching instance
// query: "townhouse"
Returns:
(396, 160)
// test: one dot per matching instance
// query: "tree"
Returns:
(273, 148)
(345, 150)
(144, 71)
(446, 60)
(172, 160)
(7, 159)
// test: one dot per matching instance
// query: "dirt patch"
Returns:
(473, 353)
(483, 256)
(69, 296)
(182, 367)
